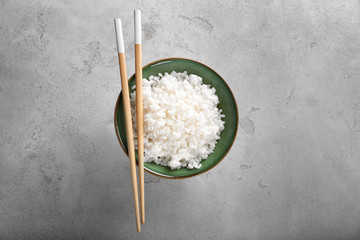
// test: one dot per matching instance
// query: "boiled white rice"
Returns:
(181, 120)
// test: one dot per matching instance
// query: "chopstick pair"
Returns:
(139, 113)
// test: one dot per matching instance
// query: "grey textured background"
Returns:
(293, 172)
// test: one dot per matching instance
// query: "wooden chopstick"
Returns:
(139, 110)
(128, 121)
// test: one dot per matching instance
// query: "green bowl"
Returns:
(227, 104)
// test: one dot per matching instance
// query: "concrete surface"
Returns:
(293, 172)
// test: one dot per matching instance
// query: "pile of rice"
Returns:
(181, 120)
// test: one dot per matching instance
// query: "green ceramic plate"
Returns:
(227, 104)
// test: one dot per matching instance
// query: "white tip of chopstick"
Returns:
(119, 36)
(137, 27)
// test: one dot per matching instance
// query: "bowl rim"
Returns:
(159, 174)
